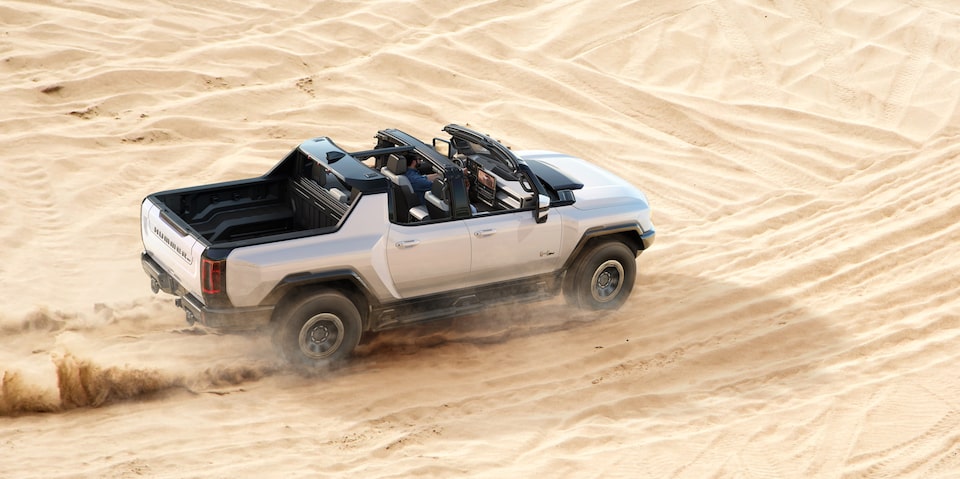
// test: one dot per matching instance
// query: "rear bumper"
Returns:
(159, 279)
(224, 319)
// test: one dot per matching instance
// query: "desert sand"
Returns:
(798, 316)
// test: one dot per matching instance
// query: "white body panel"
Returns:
(359, 245)
(178, 253)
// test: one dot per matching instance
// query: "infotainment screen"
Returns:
(486, 179)
(486, 187)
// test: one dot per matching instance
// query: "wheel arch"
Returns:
(628, 234)
(294, 287)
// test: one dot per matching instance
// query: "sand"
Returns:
(798, 316)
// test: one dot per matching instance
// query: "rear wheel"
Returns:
(602, 277)
(318, 330)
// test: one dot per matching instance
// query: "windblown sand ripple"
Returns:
(798, 316)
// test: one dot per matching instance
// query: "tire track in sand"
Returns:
(910, 71)
(831, 51)
(42, 215)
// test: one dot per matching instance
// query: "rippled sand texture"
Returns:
(799, 315)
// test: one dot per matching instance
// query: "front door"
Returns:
(512, 246)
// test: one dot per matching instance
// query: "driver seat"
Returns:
(403, 195)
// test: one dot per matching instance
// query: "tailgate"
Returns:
(172, 247)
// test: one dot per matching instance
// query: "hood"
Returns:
(595, 186)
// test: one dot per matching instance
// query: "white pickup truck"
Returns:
(331, 244)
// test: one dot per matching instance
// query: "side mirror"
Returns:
(443, 147)
(543, 207)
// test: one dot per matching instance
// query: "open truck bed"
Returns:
(257, 208)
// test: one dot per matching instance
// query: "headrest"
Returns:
(319, 174)
(396, 164)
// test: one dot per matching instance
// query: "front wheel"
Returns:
(319, 330)
(602, 277)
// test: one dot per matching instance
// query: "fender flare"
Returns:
(347, 281)
(631, 233)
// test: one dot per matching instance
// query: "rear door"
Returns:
(174, 249)
(428, 258)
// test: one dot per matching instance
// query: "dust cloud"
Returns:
(61, 361)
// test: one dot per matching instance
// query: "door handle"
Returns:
(407, 244)
(482, 233)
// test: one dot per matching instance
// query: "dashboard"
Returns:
(491, 184)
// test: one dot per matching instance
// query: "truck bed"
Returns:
(255, 208)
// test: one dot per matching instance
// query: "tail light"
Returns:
(212, 276)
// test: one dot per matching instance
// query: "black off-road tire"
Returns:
(318, 330)
(602, 277)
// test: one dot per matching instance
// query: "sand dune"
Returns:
(798, 316)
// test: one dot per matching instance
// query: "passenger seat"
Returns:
(403, 195)
(438, 200)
